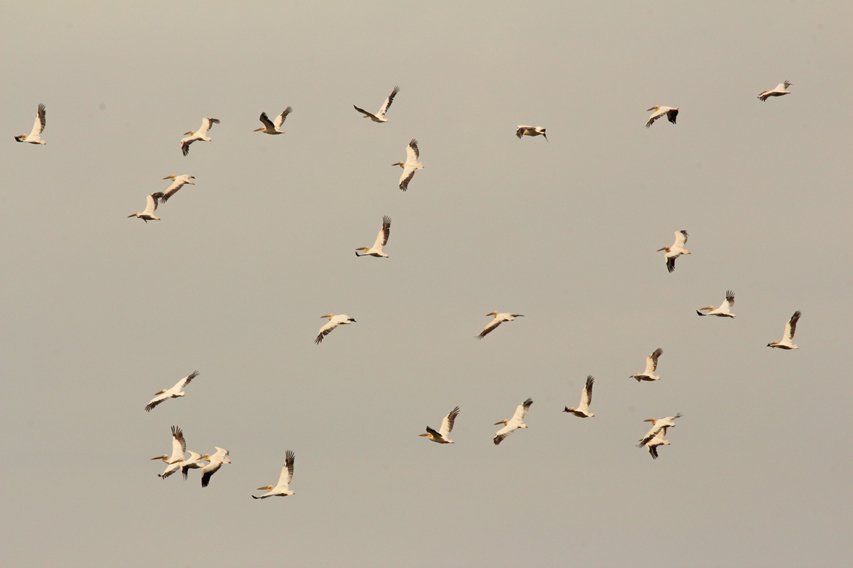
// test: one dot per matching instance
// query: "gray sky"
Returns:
(100, 311)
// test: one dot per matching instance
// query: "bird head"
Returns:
(134, 215)
(164, 457)
(424, 434)
(401, 164)
(653, 108)
(265, 488)
(258, 129)
(663, 248)
(205, 457)
(330, 316)
(492, 314)
(170, 177)
(496, 423)
(652, 420)
(190, 133)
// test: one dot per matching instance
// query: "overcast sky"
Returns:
(99, 311)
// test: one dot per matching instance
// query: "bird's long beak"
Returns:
(190, 133)
(501, 422)
(265, 488)
(159, 458)
(660, 249)
(131, 215)
(421, 434)
(652, 420)
(653, 108)
(258, 129)
(169, 177)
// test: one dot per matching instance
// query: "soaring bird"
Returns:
(334, 321)
(522, 130)
(658, 425)
(653, 444)
(179, 446)
(675, 250)
(200, 134)
(273, 127)
(499, 319)
(790, 330)
(670, 112)
(651, 366)
(780, 90)
(514, 423)
(179, 182)
(34, 137)
(446, 427)
(582, 411)
(216, 461)
(194, 462)
(410, 165)
(150, 208)
(381, 241)
(380, 116)
(723, 310)
(174, 392)
(282, 488)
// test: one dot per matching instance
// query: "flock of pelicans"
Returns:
(178, 460)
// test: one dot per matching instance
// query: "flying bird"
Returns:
(723, 310)
(380, 116)
(514, 423)
(499, 319)
(179, 446)
(582, 411)
(334, 321)
(150, 208)
(178, 183)
(676, 250)
(410, 165)
(273, 127)
(780, 90)
(522, 130)
(653, 444)
(790, 330)
(381, 240)
(216, 461)
(671, 114)
(200, 134)
(446, 427)
(658, 425)
(174, 392)
(651, 366)
(282, 488)
(194, 462)
(34, 137)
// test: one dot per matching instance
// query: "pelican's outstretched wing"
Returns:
(448, 421)
(279, 120)
(387, 104)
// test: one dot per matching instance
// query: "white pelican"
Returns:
(380, 116)
(446, 427)
(651, 366)
(582, 411)
(723, 310)
(334, 321)
(514, 423)
(653, 444)
(174, 392)
(658, 425)
(381, 240)
(179, 182)
(670, 112)
(522, 130)
(780, 90)
(499, 319)
(200, 134)
(194, 462)
(676, 250)
(282, 488)
(410, 165)
(179, 446)
(216, 461)
(150, 208)
(273, 127)
(34, 137)
(790, 330)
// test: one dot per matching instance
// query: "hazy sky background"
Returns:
(99, 311)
